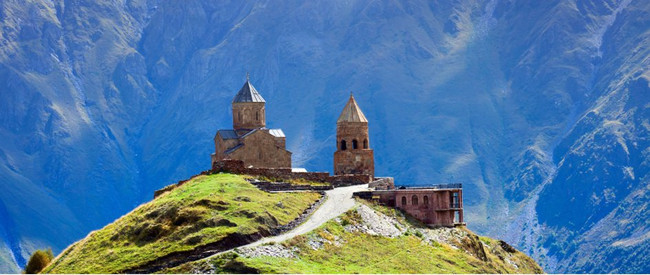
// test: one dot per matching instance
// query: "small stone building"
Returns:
(436, 205)
(249, 140)
(353, 155)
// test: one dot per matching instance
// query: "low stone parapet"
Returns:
(238, 167)
(285, 186)
(348, 180)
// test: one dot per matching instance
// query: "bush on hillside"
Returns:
(39, 260)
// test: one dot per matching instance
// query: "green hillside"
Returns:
(200, 212)
(180, 230)
(373, 239)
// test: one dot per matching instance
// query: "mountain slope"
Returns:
(102, 103)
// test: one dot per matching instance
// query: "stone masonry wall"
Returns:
(237, 167)
(347, 158)
(252, 114)
(260, 150)
(360, 161)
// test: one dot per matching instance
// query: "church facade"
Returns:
(249, 140)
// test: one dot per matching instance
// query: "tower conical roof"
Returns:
(352, 112)
(247, 93)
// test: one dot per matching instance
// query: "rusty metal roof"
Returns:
(351, 112)
(248, 93)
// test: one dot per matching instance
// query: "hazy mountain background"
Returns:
(541, 109)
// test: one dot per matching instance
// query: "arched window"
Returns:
(403, 200)
(426, 200)
(343, 145)
(354, 144)
(239, 115)
(365, 144)
(257, 116)
(260, 154)
(414, 200)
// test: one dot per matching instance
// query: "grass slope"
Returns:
(201, 211)
(345, 251)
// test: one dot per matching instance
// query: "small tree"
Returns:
(39, 260)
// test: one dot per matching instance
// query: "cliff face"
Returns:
(539, 108)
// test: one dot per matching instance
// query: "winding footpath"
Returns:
(337, 201)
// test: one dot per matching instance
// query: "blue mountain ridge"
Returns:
(540, 108)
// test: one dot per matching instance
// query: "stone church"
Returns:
(251, 148)
(249, 140)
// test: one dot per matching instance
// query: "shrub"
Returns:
(39, 260)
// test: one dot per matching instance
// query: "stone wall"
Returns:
(237, 167)
(260, 150)
(354, 161)
(221, 145)
(248, 115)
(347, 180)
(285, 186)
(349, 159)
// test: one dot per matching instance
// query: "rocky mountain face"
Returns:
(540, 108)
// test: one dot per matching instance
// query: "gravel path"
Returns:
(338, 201)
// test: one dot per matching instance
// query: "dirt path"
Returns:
(337, 202)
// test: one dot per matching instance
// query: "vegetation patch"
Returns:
(202, 211)
(39, 260)
(343, 251)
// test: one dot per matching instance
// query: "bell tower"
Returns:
(353, 154)
(248, 108)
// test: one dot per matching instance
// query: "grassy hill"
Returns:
(201, 212)
(373, 239)
(180, 229)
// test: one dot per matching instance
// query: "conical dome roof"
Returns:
(247, 93)
(352, 112)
